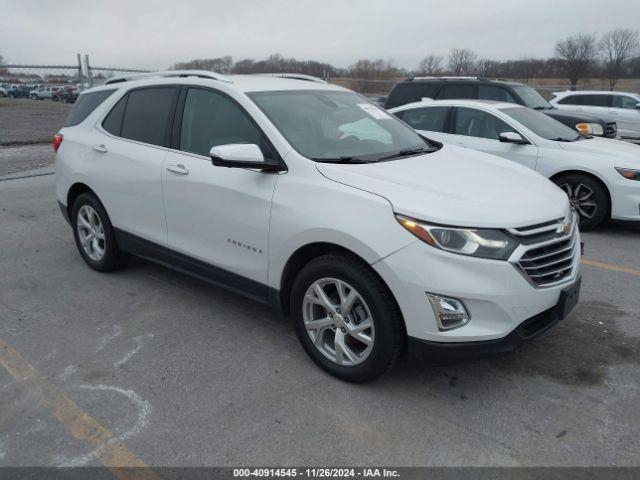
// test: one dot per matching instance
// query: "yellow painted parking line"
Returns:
(609, 266)
(123, 464)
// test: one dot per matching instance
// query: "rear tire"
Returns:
(360, 335)
(94, 234)
(587, 197)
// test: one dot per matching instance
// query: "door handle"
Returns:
(100, 148)
(179, 169)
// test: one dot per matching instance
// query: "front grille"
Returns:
(550, 262)
(611, 129)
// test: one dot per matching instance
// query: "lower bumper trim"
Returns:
(445, 352)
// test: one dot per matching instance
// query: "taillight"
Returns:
(57, 140)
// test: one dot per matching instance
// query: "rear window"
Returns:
(409, 92)
(459, 91)
(85, 104)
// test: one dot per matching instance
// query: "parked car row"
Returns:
(598, 174)
(62, 93)
(462, 88)
(376, 238)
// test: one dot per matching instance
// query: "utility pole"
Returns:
(89, 73)
(80, 80)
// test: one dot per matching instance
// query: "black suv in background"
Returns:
(476, 88)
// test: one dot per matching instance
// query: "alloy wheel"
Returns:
(582, 199)
(338, 321)
(91, 232)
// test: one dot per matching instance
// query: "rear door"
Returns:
(217, 218)
(625, 113)
(433, 122)
(479, 130)
(129, 156)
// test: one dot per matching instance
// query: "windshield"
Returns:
(543, 125)
(326, 125)
(532, 98)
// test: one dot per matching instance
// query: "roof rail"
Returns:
(169, 74)
(294, 76)
(448, 78)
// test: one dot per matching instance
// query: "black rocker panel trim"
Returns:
(179, 262)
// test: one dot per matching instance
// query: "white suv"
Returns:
(620, 107)
(309, 197)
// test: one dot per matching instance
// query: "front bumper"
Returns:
(428, 351)
(625, 197)
(497, 295)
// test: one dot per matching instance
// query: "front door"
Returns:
(217, 217)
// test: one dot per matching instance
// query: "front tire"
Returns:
(346, 318)
(94, 234)
(587, 197)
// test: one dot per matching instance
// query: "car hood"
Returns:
(573, 116)
(459, 187)
(620, 153)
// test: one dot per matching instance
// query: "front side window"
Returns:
(477, 123)
(620, 101)
(211, 119)
(146, 116)
(432, 119)
(492, 92)
(542, 125)
(326, 125)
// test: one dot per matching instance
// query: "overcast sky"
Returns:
(156, 34)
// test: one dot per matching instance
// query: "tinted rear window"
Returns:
(146, 116)
(409, 92)
(85, 104)
(459, 91)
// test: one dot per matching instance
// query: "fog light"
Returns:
(450, 313)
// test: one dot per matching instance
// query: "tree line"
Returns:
(613, 55)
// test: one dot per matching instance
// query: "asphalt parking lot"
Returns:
(176, 372)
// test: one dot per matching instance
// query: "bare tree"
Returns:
(616, 48)
(373, 69)
(221, 64)
(488, 68)
(430, 65)
(462, 61)
(577, 54)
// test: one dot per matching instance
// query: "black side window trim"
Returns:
(167, 132)
(176, 128)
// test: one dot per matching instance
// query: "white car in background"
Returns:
(601, 176)
(620, 107)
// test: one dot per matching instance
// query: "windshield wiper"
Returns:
(562, 139)
(343, 159)
(550, 107)
(406, 153)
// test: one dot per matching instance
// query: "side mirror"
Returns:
(241, 155)
(513, 137)
(638, 106)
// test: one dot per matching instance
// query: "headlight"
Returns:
(590, 128)
(477, 242)
(629, 173)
